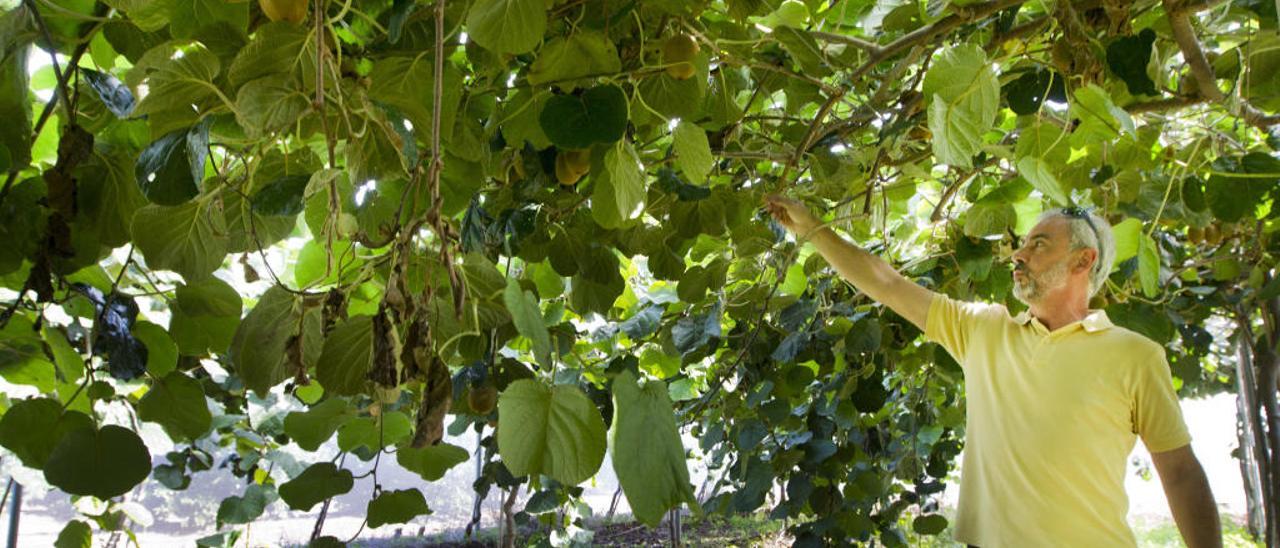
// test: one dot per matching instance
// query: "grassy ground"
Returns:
(757, 531)
(1158, 534)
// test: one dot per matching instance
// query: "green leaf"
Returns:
(804, 50)
(258, 348)
(1100, 119)
(932, 524)
(1234, 191)
(76, 534)
(396, 507)
(169, 171)
(239, 510)
(109, 196)
(277, 48)
(311, 428)
(189, 239)
(270, 104)
(648, 455)
(205, 315)
(619, 193)
(1149, 267)
(180, 82)
(15, 105)
(347, 356)
(693, 152)
(318, 482)
(22, 357)
(1037, 172)
(520, 119)
(406, 83)
(677, 98)
(103, 463)
(1127, 234)
(32, 428)
(599, 115)
(580, 55)
(282, 196)
(162, 353)
(964, 97)
(507, 26)
(528, 320)
(364, 432)
(70, 363)
(431, 463)
(555, 431)
(187, 17)
(176, 402)
(1128, 57)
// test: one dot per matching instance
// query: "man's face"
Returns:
(1041, 265)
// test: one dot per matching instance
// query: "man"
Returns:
(1056, 395)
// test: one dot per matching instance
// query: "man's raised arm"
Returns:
(867, 272)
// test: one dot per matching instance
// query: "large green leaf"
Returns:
(555, 431)
(1037, 172)
(620, 190)
(507, 26)
(242, 509)
(406, 83)
(347, 356)
(527, 317)
(374, 433)
(169, 171)
(32, 428)
(76, 534)
(430, 463)
(104, 463)
(278, 48)
(15, 107)
(311, 428)
(580, 55)
(1149, 267)
(176, 402)
(315, 484)
(648, 455)
(269, 104)
(189, 17)
(693, 152)
(190, 239)
(258, 348)
(599, 115)
(963, 95)
(396, 507)
(205, 315)
(1100, 119)
(182, 81)
(108, 195)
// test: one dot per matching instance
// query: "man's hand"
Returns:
(792, 215)
(870, 274)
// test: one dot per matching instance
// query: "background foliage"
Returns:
(553, 204)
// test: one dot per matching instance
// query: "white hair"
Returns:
(1097, 237)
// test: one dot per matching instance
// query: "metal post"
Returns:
(15, 509)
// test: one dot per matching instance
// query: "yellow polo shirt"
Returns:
(1052, 418)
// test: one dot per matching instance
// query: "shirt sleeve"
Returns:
(951, 324)
(1157, 417)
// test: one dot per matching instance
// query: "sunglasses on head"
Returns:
(1077, 212)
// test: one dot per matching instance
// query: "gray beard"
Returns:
(1034, 288)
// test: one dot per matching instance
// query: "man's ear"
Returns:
(1088, 256)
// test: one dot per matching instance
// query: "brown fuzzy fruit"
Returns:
(1195, 235)
(293, 11)
(571, 165)
(482, 399)
(678, 53)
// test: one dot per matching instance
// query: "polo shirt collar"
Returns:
(1096, 321)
